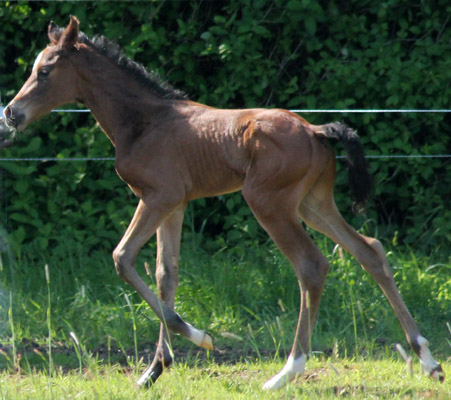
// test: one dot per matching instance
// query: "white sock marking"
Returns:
(292, 368)
(144, 377)
(200, 338)
(427, 362)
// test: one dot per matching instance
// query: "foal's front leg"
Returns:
(149, 215)
(168, 250)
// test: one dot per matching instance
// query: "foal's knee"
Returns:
(314, 272)
(322, 269)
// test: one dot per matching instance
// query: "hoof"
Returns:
(200, 338)
(292, 368)
(150, 376)
(430, 367)
(276, 382)
(207, 342)
(437, 374)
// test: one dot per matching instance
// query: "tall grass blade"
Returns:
(13, 330)
(307, 304)
(135, 336)
(77, 351)
(49, 319)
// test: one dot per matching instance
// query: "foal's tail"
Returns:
(360, 180)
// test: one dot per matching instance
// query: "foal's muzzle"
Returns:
(13, 118)
(5, 133)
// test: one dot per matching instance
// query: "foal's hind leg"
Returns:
(168, 244)
(318, 210)
(278, 215)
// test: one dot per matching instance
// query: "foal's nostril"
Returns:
(7, 112)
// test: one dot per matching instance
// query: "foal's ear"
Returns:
(69, 37)
(54, 33)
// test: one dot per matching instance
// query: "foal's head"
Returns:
(53, 80)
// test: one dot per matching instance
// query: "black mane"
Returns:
(149, 79)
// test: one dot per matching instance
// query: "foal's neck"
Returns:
(118, 102)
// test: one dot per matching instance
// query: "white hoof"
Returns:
(145, 377)
(292, 368)
(200, 338)
(207, 342)
(430, 367)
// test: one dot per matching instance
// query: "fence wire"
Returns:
(340, 111)
(85, 159)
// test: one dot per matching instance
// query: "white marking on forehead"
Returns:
(38, 60)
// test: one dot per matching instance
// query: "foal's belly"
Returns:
(214, 185)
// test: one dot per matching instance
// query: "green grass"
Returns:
(77, 316)
(324, 379)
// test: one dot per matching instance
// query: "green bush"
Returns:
(265, 53)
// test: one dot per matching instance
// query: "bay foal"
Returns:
(170, 150)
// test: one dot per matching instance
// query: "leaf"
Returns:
(21, 186)
(17, 168)
(20, 218)
(294, 5)
(261, 30)
(19, 235)
(310, 25)
(207, 36)
(33, 145)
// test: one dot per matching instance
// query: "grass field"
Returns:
(70, 329)
(324, 378)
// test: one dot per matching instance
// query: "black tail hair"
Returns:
(360, 179)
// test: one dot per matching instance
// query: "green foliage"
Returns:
(388, 54)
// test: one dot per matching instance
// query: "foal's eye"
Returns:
(43, 73)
